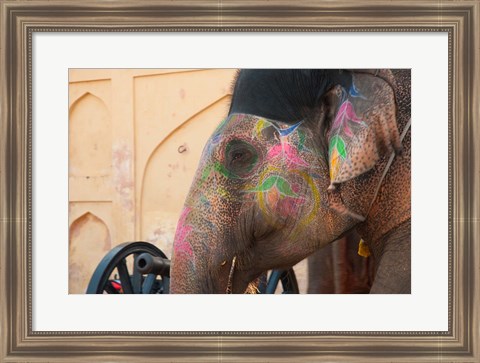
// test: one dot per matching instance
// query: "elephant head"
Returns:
(302, 158)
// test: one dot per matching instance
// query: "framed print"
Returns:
(71, 67)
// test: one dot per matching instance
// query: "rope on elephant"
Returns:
(390, 161)
(363, 249)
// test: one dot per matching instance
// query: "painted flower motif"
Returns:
(346, 114)
(218, 168)
(289, 153)
(278, 195)
(283, 206)
(285, 131)
(338, 153)
(278, 182)
(340, 136)
(282, 130)
(335, 163)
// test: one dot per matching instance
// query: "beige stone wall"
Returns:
(127, 176)
(135, 139)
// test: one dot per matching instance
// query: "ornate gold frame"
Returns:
(20, 19)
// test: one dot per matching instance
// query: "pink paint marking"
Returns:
(346, 111)
(287, 207)
(183, 230)
(284, 206)
(288, 151)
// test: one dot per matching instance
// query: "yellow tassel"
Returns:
(363, 249)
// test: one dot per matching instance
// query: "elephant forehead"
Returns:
(273, 142)
(252, 127)
(240, 121)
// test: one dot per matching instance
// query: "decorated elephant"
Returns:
(302, 159)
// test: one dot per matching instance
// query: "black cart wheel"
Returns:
(287, 279)
(132, 268)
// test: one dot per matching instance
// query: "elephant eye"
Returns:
(238, 155)
(241, 157)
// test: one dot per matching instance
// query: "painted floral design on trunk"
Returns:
(182, 245)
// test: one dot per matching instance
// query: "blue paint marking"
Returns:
(215, 139)
(354, 91)
(289, 130)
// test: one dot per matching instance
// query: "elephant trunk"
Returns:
(199, 262)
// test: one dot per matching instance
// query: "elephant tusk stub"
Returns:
(230, 276)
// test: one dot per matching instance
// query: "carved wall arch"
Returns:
(90, 137)
(89, 241)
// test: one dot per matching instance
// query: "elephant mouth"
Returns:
(252, 287)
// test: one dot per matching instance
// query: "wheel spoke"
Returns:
(137, 276)
(285, 278)
(166, 285)
(289, 282)
(273, 282)
(125, 277)
(148, 284)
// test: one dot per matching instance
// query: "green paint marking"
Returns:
(267, 184)
(284, 187)
(253, 163)
(221, 125)
(336, 142)
(301, 139)
(219, 167)
(206, 172)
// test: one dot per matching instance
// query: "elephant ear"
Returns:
(364, 128)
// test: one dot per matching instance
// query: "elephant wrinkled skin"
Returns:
(302, 159)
